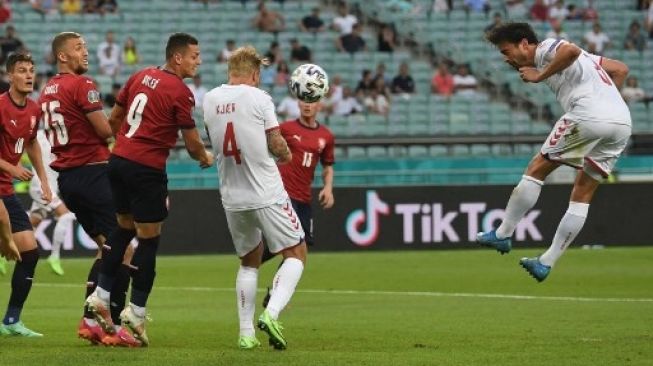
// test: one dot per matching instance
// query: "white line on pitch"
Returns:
(396, 293)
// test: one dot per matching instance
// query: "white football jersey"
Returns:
(237, 118)
(584, 89)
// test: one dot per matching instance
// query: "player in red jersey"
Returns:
(78, 131)
(19, 118)
(309, 142)
(150, 110)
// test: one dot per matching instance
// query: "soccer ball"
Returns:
(308, 83)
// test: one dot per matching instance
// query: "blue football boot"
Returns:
(535, 268)
(489, 239)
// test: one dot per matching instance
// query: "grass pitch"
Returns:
(382, 308)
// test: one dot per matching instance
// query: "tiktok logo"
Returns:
(370, 217)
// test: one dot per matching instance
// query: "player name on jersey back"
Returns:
(237, 118)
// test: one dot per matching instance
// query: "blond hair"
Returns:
(245, 61)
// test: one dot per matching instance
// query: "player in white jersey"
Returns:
(244, 131)
(40, 209)
(590, 136)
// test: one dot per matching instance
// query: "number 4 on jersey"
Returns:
(229, 146)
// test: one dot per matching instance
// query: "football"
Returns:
(308, 83)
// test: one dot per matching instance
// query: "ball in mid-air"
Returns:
(309, 83)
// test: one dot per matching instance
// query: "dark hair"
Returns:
(60, 39)
(17, 57)
(511, 33)
(178, 42)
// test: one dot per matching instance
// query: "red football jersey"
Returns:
(18, 125)
(308, 145)
(65, 101)
(158, 104)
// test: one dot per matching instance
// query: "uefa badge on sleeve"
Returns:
(93, 96)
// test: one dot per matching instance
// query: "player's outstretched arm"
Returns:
(33, 150)
(195, 147)
(100, 124)
(277, 146)
(566, 54)
(616, 69)
(117, 116)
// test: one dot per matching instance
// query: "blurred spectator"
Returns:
(48, 58)
(539, 11)
(515, 9)
(642, 4)
(382, 88)
(596, 40)
(4, 80)
(463, 82)
(442, 6)
(89, 7)
(229, 48)
(109, 61)
(558, 11)
(106, 6)
(496, 21)
(198, 90)
(380, 73)
(312, 23)
(556, 31)
(477, 6)
(268, 75)
(442, 82)
(5, 11)
(386, 38)
(283, 73)
(631, 92)
(268, 20)
(288, 109)
(110, 99)
(9, 44)
(71, 6)
(366, 83)
(589, 13)
(344, 22)
(346, 105)
(299, 52)
(130, 54)
(108, 54)
(573, 13)
(44, 7)
(336, 87)
(403, 83)
(352, 42)
(274, 53)
(377, 103)
(635, 39)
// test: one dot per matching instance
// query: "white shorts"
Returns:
(278, 223)
(591, 146)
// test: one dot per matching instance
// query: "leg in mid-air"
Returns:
(23, 275)
(570, 225)
(522, 199)
(602, 144)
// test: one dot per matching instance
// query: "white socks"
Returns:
(246, 282)
(570, 225)
(522, 199)
(283, 285)
(59, 234)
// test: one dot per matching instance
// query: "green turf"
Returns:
(401, 311)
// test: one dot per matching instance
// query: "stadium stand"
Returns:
(426, 138)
